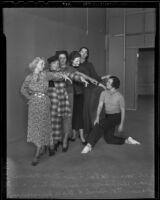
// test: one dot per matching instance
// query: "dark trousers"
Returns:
(106, 128)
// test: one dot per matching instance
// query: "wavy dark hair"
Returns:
(87, 51)
(73, 55)
(116, 81)
(62, 52)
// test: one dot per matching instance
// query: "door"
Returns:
(131, 78)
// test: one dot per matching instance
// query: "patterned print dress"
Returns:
(39, 118)
(60, 107)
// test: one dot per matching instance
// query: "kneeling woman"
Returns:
(35, 88)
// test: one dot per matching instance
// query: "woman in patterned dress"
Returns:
(60, 107)
(34, 88)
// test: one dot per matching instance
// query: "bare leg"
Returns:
(51, 148)
(74, 135)
(81, 133)
(36, 156)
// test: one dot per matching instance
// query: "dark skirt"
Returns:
(91, 101)
(77, 119)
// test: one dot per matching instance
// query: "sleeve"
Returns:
(25, 89)
(88, 78)
(83, 70)
(122, 102)
(55, 76)
(75, 77)
(102, 96)
(93, 73)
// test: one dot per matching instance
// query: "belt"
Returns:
(39, 94)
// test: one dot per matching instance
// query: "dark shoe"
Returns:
(43, 151)
(56, 145)
(65, 149)
(84, 143)
(35, 162)
(72, 139)
(51, 151)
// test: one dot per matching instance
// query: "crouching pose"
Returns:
(115, 116)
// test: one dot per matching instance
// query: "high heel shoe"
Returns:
(36, 161)
(43, 151)
(84, 143)
(56, 145)
(72, 139)
(51, 151)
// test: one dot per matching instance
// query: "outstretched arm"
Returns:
(55, 76)
(105, 77)
(92, 80)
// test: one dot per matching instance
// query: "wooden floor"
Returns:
(109, 171)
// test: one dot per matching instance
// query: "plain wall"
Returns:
(146, 72)
(28, 36)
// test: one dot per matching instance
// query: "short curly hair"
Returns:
(33, 64)
(116, 81)
(73, 55)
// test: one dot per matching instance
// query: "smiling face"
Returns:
(54, 66)
(83, 53)
(76, 61)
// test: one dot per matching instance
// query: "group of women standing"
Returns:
(61, 98)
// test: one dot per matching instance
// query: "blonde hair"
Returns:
(33, 64)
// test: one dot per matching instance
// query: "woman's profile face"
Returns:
(54, 66)
(40, 65)
(84, 53)
(76, 61)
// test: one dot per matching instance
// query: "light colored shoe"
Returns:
(130, 140)
(87, 149)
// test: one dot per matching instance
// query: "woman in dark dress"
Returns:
(78, 118)
(91, 93)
